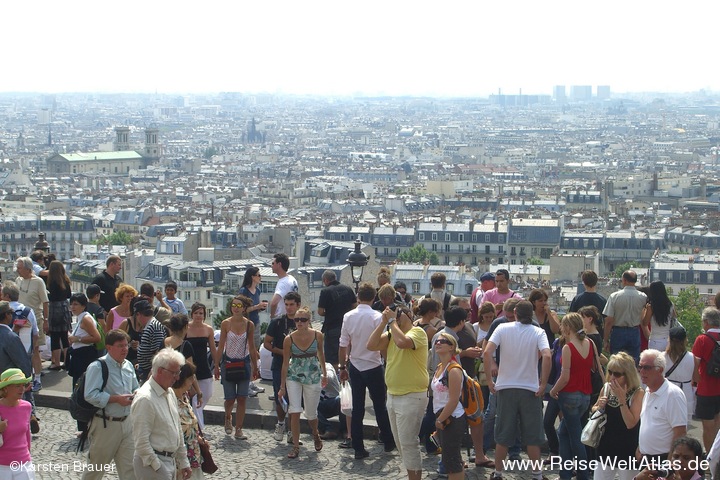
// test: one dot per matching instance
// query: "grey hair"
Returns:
(27, 262)
(165, 357)
(658, 360)
(711, 315)
(329, 276)
(11, 290)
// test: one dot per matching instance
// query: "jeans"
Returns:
(572, 406)
(374, 381)
(331, 346)
(626, 340)
(551, 413)
(329, 408)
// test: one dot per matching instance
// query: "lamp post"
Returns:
(357, 261)
(41, 244)
(539, 267)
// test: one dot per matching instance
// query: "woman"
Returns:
(82, 342)
(591, 320)
(124, 295)
(621, 399)
(303, 377)
(451, 424)
(546, 318)
(178, 327)
(251, 288)
(140, 315)
(59, 316)
(237, 348)
(686, 452)
(572, 391)
(429, 311)
(658, 317)
(188, 421)
(686, 372)
(552, 411)
(15, 459)
(202, 337)
(486, 315)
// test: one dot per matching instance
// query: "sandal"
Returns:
(318, 442)
(228, 426)
(294, 452)
(239, 435)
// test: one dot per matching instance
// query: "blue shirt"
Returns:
(121, 380)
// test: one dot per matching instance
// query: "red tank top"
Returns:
(579, 371)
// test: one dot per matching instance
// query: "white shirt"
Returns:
(662, 411)
(682, 377)
(358, 324)
(284, 286)
(521, 343)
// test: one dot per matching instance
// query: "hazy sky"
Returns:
(443, 48)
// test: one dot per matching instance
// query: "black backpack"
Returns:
(80, 409)
(713, 364)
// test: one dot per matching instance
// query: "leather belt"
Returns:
(112, 419)
(164, 454)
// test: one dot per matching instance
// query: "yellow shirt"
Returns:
(406, 370)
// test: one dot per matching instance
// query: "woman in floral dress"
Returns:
(188, 420)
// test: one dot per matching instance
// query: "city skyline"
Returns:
(327, 48)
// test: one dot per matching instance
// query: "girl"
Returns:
(15, 459)
(546, 318)
(591, 320)
(251, 288)
(60, 318)
(686, 372)
(202, 338)
(429, 311)
(178, 327)
(658, 317)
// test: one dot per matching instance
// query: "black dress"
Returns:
(618, 441)
(200, 357)
(134, 335)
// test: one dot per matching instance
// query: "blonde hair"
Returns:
(573, 322)
(304, 310)
(622, 362)
(452, 340)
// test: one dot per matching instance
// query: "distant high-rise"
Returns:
(44, 116)
(603, 92)
(559, 94)
(581, 93)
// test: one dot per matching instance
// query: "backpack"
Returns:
(100, 346)
(80, 409)
(471, 398)
(21, 319)
(713, 364)
(446, 300)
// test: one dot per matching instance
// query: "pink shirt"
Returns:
(16, 438)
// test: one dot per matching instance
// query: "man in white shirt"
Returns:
(286, 283)
(33, 294)
(663, 417)
(159, 441)
(365, 369)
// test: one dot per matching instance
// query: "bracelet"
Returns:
(341, 367)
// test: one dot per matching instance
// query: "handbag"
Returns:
(235, 371)
(594, 428)
(346, 399)
(208, 464)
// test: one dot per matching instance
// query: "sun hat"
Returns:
(13, 376)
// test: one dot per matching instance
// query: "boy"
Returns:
(175, 304)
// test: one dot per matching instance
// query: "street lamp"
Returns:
(41, 244)
(539, 280)
(357, 261)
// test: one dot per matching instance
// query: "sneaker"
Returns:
(495, 476)
(515, 457)
(255, 388)
(441, 469)
(279, 431)
(252, 393)
(289, 438)
(347, 443)
(34, 425)
(36, 386)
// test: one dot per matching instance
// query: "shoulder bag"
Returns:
(595, 427)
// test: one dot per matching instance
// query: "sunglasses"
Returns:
(646, 367)
(616, 374)
(443, 341)
(238, 305)
(302, 319)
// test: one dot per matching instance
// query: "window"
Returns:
(447, 247)
(710, 277)
(421, 236)
(487, 238)
(447, 237)
(433, 237)
(513, 251)
(696, 277)
(473, 237)
(433, 247)
(416, 287)
(487, 249)
(461, 237)
(683, 278)
(447, 259)
(500, 239)
(450, 287)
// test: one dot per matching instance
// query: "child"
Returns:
(93, 307)
(175, 304)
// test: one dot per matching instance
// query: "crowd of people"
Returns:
(149, 370)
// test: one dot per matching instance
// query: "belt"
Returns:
(112, 419)
(164, 454)
(614, 326)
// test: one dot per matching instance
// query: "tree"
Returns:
(624, 266)
(418, 254)
(116, 238)
(689, 307)
(223, 314)
(535, 261)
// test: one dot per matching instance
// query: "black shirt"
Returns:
(337, 300)
(108, 285)
(278, 329)
(587, 299)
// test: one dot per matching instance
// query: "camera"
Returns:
(661, 473)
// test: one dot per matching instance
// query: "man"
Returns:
(162, 312)
(24, 322)
(364, 368)
(437, 281)
(501, 292)
(663, 417)
(385, 296)
(108, 281)
(407, 380)
(286, 283)
(589, 297)
(623, 313)
(707, 407)
(279, 328)
(519, 393)
(14, 355)
(403, 296)
(334, 302)
(38, 261)
(175, 304)
(487, 283)
(157, 434)
(33, 294)
(152, 338)
(94, 308)
(329, 407)
(111, 435)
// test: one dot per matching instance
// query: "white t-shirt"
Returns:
(661, 412)
(284, 286)
(519, 356)
(358, 325)
(682, 377)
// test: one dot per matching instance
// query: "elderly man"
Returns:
(663, 417)
(623, 313)
(33, 293)
(111, 435)
(707, 408)
(159, 442)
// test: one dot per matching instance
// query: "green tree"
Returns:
(116, 238)
(624, 266)
(689, 306)
(219, 317)
(418, 254)
(535, 261)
